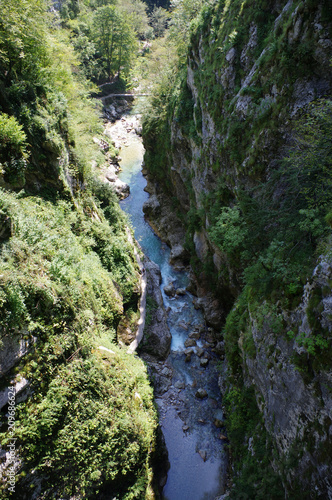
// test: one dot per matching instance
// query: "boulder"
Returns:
(178, 252)
(204, 362)
(138, 130)
(199, 352)
(166, 372)
(157, 337)
(194, 335)
(197, 304)
(151, 206)
(169, 290)
(213, 311)
(121, 189)
(201, 393)
(219, 419)
(220, 348)
(188, 358)
(190, 343)
(188, 352)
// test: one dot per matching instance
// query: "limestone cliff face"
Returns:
(242, 84)
(293, 394)
(244, 88)
(252, 72)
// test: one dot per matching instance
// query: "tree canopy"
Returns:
(114, 39)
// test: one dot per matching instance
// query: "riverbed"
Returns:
(192, 426)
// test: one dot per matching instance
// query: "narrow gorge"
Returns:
(180, 350)
(165, 260)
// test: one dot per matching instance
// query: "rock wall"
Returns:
(157, 338)
(12, 351)
(292, 393)
(252, 71)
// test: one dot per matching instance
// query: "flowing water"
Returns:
(198, 461)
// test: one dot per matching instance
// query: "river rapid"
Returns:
(192, 426)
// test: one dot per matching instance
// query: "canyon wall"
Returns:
(237, 158)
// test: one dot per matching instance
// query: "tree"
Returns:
(158, 20)
(114, 39)
(105, 27)
(22, 33)
(69, 9)
(135, 11)
(125, 49)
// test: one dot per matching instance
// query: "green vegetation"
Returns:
(99, 407)
(111, 34)
(276, 240)
(106, 34)
(244, 420)
(104, 37)
(41, 88)
(12, 149)
(184, 12)
(66, 280)
(68, 271)
(293, 223)
(269, 241)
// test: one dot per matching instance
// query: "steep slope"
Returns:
(77, 413)
(238, 146)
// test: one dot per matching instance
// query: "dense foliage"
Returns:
(66, 279)
(292, 223)
(68, 271)
(48, 100)
(12, 149)
(106, 34)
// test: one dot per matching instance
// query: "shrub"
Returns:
(13, 154)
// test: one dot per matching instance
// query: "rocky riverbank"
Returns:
(157, 337)
(119, 128)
